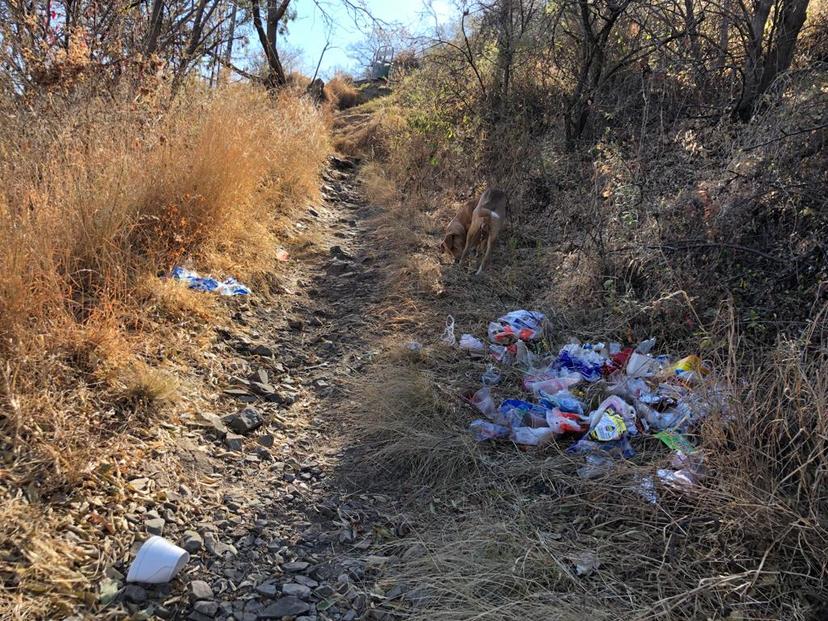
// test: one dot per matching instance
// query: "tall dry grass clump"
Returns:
(100, 195)
(341, 92)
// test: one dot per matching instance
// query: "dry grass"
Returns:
(503, 528)
(101, 194)
(341, 92)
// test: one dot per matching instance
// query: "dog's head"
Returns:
(454, 240)
(453, 244)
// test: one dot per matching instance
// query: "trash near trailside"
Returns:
(601, 397)
(157, 561)
(229, 286)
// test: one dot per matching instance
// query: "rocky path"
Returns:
(257, 494)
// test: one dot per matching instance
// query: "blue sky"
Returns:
(308, 32)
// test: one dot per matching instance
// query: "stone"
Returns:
(295, 567)
(284, 607)
(262, 350)
(134, 593)
(309, 582)
(199, 589)
(208, 609)
(296, 590)
(245, 420)
(268, 589)
(295, 324)
(213, 423)
(140, 484)
(266, 440)
(214, 546)
(192, 541)
(234, 442)
(155, 526)
(241, 394)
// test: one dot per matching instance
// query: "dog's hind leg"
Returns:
(471, 237)
(484, 262)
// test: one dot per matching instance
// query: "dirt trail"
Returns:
(273, 530)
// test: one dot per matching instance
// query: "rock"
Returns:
(265, 391)
(266, 440)
(200, 590)
(208, 609)
(234, 442)
(309, 582)
(296, 590)
(134, 593)
(324, 592)
(295, 567)
(377, 561)
(337, 267)
(268, 589)
(284, 607)
(192, 541)
(214, 546)
(214, 424)
(245, 420)
(262, 350)
(295, 324)
(241, 394)
(155, 526)
(140, 484)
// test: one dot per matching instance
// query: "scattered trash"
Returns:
(414, 346)
(613, 419)
(675, 442)
(229, 286)
(596, 466)
(448, 334)
(518, 325)
(472, 344)
(484, 430)
(157, 562)
(282, 255)
(642, 394)
(646, 489)
(586, 563)
(491, 377)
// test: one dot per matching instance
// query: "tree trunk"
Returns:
(156, 16)
(228, 50)
(762, 66)
(267, 38)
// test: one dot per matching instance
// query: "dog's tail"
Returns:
(488, 213)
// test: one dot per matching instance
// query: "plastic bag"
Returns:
(582, 360)
(229, 287)
(472, 344)
(532, 436)
(518, 325)
(613, 419)
(532, 415)
(566, 422)
(448, 334)
(563, 400)
(484, 430)
(491, 377)
(621, 448)
(551, 385)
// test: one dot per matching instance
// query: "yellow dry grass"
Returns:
(341, 92)
(100, 196)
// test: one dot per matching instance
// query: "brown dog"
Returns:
(455, 238)
(487, 220)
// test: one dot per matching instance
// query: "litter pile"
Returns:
(229, 286)
(603, 394)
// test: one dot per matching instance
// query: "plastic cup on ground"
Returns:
(157, 562)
